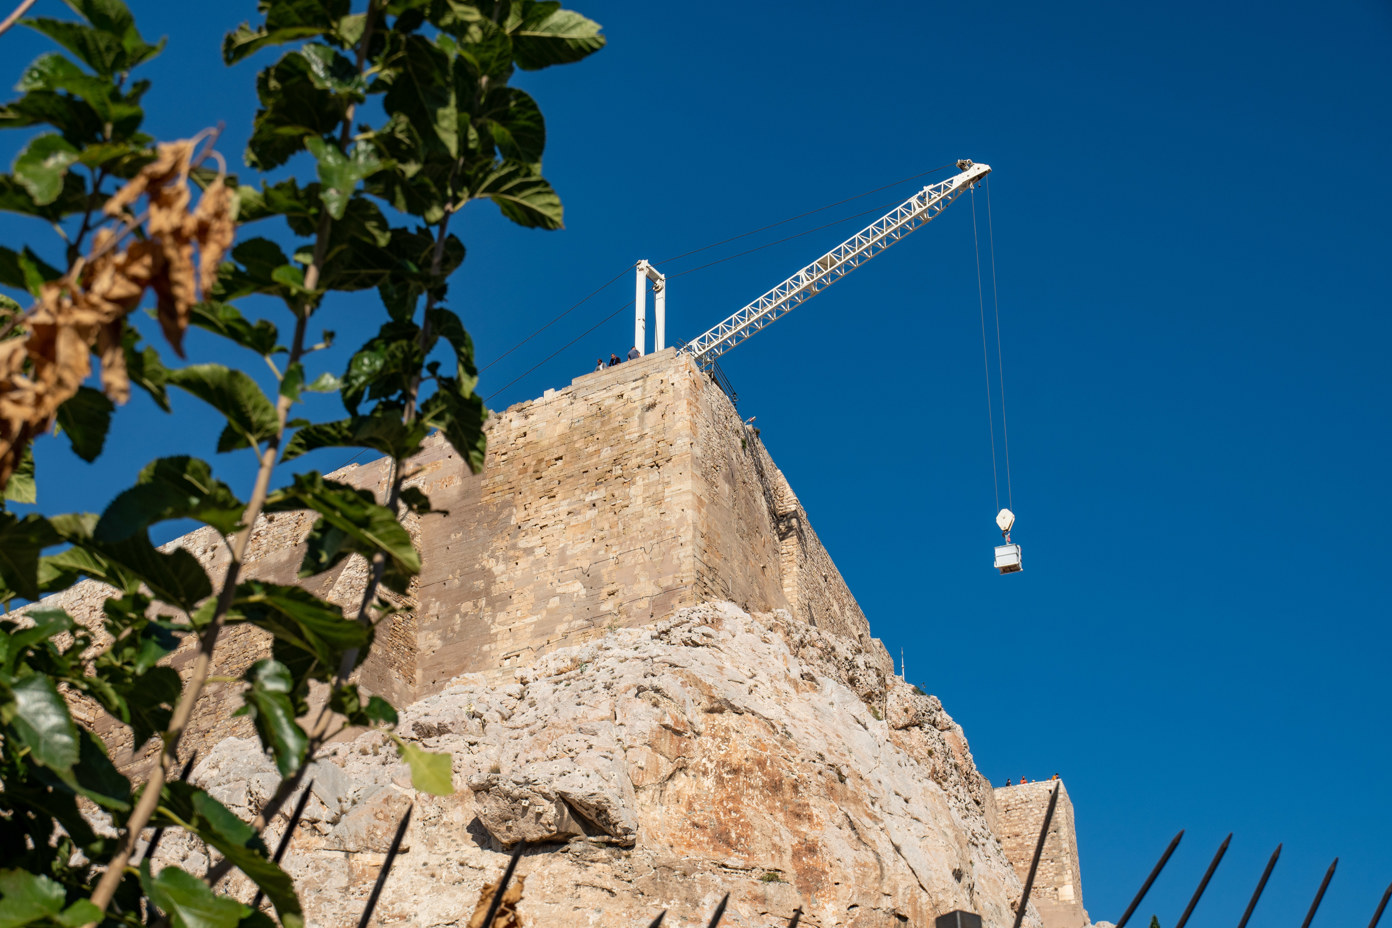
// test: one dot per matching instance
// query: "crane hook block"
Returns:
(1007, 555)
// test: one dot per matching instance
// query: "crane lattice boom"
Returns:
(914, 212)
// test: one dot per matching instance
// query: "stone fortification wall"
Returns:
(611, 503)
(1058, 888)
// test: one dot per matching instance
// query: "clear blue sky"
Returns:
(1190, 210)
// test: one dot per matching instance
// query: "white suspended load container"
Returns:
(1008, 558)
(1008, 554)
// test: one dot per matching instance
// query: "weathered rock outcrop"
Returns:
(658, 768)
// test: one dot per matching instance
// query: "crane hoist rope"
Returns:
(912, 214)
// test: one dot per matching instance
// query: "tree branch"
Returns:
(14, 17)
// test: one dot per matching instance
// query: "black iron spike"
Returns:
(1319, 896)
(1261, 885)
(1038, 852)
(1377, 916)
(1145, 887)
(386, 868)
(159, 832)
(715, 919)
(797, 917)
(285, 838)
(1203, 884)
(497, 902)
(658, 921)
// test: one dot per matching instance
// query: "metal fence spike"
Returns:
(657, 921)
(797, 917)
(1377, 916)
(1145, 887)
(719, 911)
(1203, 883)
(1261, 885)
(1038, 852)
(386, 868)
(289, 833)
(1319, 896)
(497, 901)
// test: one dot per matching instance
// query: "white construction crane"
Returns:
(913, 213)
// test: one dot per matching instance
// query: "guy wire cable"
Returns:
(558, 351)
(981, 303)
(548, 325)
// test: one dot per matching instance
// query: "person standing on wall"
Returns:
(614, 360)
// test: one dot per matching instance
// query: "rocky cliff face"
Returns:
(658, 768)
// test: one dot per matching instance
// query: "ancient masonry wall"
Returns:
(1058, 889)
(614, 502)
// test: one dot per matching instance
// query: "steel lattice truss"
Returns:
(918, 210)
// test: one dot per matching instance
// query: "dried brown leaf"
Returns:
(86, 310)
(507, 916)
(171, 163)
(214, 229)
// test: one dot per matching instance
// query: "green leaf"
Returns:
(251, 418)
(430, 772)
(96, 778)
(286, 21)
(175, 576)
(549, 35)
(21, 488)
(191, 808)
(85, 418)
(188, 901)
(226, 320)
(292, 382)
(382, 430)
(145, 368)
(459, 414)
(350, 521)
(384, 367)
(82, 912)
(25, 270)
(340, 174)
(324, 383)
(180, 487)
(21, 540)
(47, 623)
(39, 719)
(41, 165)
(270, 704)
(445, 324)
(26, 898)
(419, 88)
(302, 96)
(516, 124)
(302, 620)
(522, 195)
(346, 700)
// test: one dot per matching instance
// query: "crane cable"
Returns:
(985, 362)
(1000, 359)
(985, 356)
